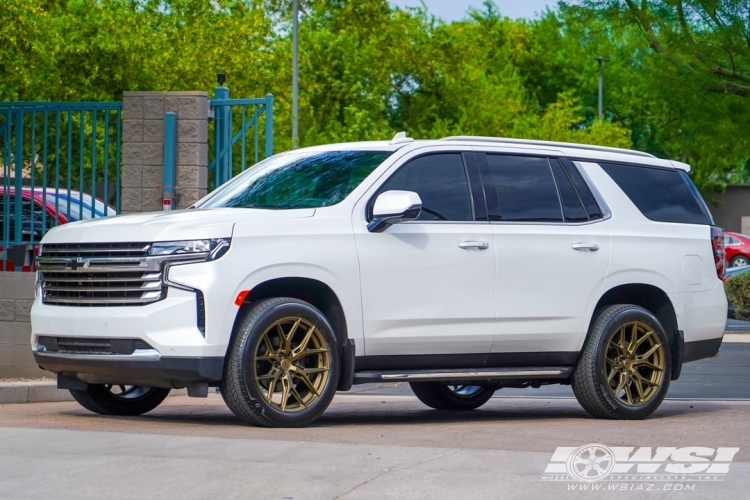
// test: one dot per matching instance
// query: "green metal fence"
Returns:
(237, 133)
(60, 163)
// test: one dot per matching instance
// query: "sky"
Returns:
(453, 10)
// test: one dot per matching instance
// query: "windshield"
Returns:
(297, 180)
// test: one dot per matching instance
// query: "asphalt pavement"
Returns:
(379, 442)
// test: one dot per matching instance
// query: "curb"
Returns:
(43, 392)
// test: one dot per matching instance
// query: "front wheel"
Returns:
(456, 397)
(624, 369)
(282, 368)
(124, 400)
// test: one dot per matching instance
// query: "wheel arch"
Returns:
(313, 291)
(650, 297)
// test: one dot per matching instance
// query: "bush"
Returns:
(738, 292)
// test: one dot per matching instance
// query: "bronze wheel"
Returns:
(634, 363)
(282, 368)
(292, 362)
(625, 366)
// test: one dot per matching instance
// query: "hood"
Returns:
(165, 226)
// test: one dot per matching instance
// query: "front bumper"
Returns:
(170, 325)
(147, 369)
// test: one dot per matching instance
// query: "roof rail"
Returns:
(527, 142)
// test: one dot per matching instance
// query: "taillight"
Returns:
(720, 255)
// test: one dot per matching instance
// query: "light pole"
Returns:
(295, 75)
(601, 85)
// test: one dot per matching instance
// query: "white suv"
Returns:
(461, 266)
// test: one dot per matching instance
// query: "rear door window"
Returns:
(525, 187)
(660, 194)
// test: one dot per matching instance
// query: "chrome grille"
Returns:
(99, 274)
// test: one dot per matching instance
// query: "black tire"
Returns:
(443, 396)
(132, 401)
(590, 384)
(244, 395)
(739, 260)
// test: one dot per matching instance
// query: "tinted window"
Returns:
(592, 208)
(572, 206)
(694, 190)
(660, 194)
(29, 226)
(440, 181)
(728, 240)
(301, 179)
(525, 188)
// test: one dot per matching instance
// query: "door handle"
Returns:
(479, 245)
(582, 247)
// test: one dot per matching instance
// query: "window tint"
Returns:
(27, 226)
(572, 206)
(440, 181)
(729, 240)
(592, 208)
(300, 179)
(660, 194)
(525, 188)
(701, 201)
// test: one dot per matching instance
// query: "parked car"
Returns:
(733, 271)
(738, 249)
(44, 202)
(366, 262)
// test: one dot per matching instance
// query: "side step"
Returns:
(521, 374)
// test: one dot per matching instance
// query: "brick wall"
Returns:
(16, 297)
(143, 148)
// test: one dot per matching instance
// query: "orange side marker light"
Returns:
(241, 297)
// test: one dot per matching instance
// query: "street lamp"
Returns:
(295, 75)
(601, 85)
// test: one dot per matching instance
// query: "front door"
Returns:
(428, 285)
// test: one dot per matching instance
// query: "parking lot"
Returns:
(375, 442)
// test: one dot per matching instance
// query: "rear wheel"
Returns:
(624, 369)
(456, 397)
(120, 399)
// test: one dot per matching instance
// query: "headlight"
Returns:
(211, 249)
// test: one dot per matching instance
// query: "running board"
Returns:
(521, 374)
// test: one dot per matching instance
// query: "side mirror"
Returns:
(392, 207)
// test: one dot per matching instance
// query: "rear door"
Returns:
(552, 249)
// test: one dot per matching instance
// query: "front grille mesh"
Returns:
(76, 345)
(99, 275)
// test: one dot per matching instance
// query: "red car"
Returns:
(26, 226)
(738, 249)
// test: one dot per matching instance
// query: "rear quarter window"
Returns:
(661, 195)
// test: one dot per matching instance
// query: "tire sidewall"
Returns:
(612, 325)
(252, 336)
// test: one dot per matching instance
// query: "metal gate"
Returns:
(233, 121)
(60, 163)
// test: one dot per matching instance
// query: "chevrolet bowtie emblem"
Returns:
(74, 265)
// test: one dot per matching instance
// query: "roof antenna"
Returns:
(400, 138)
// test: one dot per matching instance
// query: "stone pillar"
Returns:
(143, 148)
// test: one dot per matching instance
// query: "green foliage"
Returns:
(737, 289)
(368, 70)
